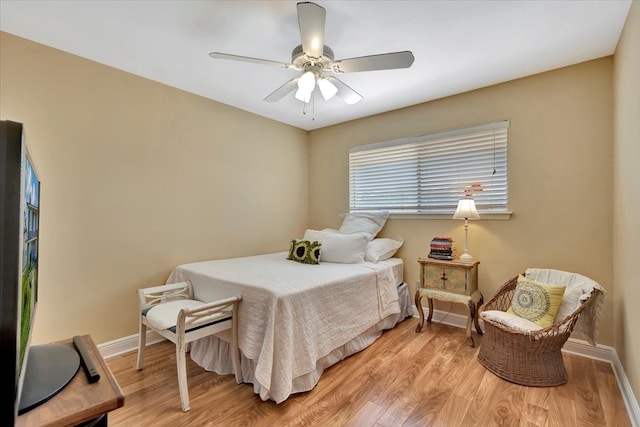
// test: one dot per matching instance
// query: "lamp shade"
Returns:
(327, 88)
(466, 209)
(306, 86)
(303, 96)
(307, 82)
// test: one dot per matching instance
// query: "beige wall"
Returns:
(138, 177)
(560, 176)
(626, 200)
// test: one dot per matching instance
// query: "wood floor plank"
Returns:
(400, 411)
(507, 408)
(533, 416)
(337, 402)
(562, 407)
(367, 416)
(453, 412)
(451, 374)
(405, 378)
(535, 412)
(589, 410)
(610, 396)
(483, 401)
(409, 362)
(538, 396)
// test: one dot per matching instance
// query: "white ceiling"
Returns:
(458, 45)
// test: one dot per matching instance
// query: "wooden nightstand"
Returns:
(452, 281)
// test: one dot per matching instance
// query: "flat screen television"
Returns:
(33, 374)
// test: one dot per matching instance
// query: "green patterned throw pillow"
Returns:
(535, 301)
(304, 251)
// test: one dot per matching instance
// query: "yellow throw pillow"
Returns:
(535, 301)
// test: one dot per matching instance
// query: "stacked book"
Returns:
(442, 248)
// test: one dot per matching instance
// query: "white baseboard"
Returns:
(627, 393)
(582, 348)
(574, 346)
(126, 344)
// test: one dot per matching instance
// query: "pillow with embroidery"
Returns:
(304, 251)
(535, 301)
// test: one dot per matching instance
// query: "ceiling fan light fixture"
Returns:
(307, 82)
(327, 88)
(302, 95)
(313, 58)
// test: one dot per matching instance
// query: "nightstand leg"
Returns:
(430, 309)
(477, 324)
(472, 313)
(420, 312)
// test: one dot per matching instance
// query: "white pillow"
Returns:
(570, 301)
(367, 222)
(339, 247)
(382, 248)
(510, 320)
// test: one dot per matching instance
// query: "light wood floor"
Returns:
(431, 378)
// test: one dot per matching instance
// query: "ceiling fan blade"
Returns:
(345, 93)
(311, 19)
(219, 55)
(283, 90)
(384, 61)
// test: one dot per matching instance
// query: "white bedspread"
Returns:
(292, 314)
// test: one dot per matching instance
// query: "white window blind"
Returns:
(430, 173)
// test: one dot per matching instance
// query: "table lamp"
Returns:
(466, 210)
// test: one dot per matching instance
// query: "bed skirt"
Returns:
(212, 353)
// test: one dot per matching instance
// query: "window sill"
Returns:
(491, 216)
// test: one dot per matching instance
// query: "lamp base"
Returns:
(466, 257)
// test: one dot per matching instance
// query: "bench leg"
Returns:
(142, 342)
(181, 366)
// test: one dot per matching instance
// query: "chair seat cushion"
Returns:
(165, 315)
(510, 320)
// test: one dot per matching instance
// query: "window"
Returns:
(430, 173)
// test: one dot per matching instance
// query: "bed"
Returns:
(297, 319)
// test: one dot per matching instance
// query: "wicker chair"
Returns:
(530, 358)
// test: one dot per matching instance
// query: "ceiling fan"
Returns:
(313, 59)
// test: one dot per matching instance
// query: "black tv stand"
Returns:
(49, 369)
(80, 403)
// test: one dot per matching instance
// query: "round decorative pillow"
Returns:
(536, 302)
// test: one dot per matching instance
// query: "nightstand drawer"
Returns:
(453, 279)
(449, 276)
